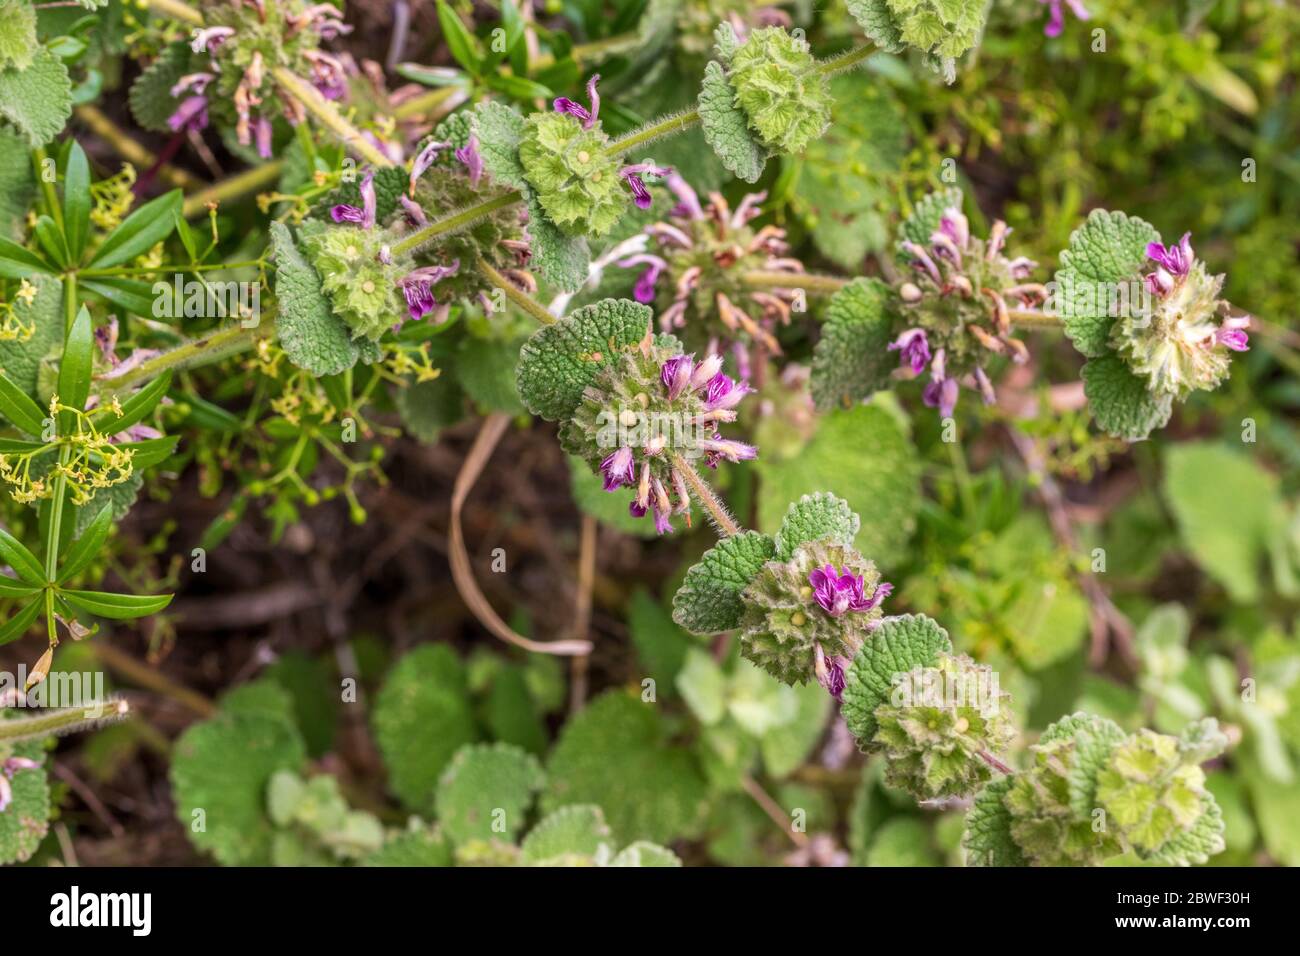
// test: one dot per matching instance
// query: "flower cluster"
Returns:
(650, 415)
(94, 461)
(783, 92)
(697, 274)
(1184, 341)
(957, 307)
(567, 159)
(806, 618)
(245, 40)
(940, 726)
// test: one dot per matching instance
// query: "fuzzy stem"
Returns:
(516, 295)
(812, 282)
(704, 494)
(239, 185)
(44, 724)
(668, 126)
(457, 221)
(329, 116)
(200, 351)
(432, 102)
(176, 10)
(1034, 320)
(847, 60)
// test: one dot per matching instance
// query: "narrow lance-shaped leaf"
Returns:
(76, 366)
(18, 263)
(16, 406)
(135, 408)
(118, 607)
(142, 230)
(17, 626)
(76, 201)
(83, 552)
(15, 554)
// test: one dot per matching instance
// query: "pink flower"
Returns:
(1056, 15)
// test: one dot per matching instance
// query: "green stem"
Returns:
(706, 497)
(47, 187)
(432, 102)
(846, 60)
(177, 11)
(200, 351)
(236, 186)
(43, 724)
(668, 126)
(515, 294)
(457, 220)
(760, 279)
(329, 116)
(1035, 320)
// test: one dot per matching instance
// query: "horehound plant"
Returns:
(805, 606)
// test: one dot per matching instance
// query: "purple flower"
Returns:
(1159, 282)
(414, 211)
(469, 155)
(915, 349)
(417, 286)
(941, 394)
(663, 525)
(192, 114)
(837, 593)
(688, 203)
(923, 261)
(632, 176)
(722, 393)
(645, 285)
(262, 134)
(563, 104)
(1232, 334)
(207, 40)
(619, 469)
(729, 449)
(955, 226)
(1056, 15)
(1176, 260)
(424, 159)
(365, 216)
(676, 374)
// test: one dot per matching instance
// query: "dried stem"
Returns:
(582, 611)
(773, 810)
(150, 678)
(462, 572)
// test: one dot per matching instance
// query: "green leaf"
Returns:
(1108, 249)
(151, 97)
(76, 365)
(220, 772)
(151, 451)
(1197, 843)
(897, 646)
(816, 517)
(12, 587)
(1226, 507)
(703, 686)
(15, 554)
(617, 754)
(25, 822)
(120, 497)
(135, 408)
(643, 853)
(661, 646)
(485, 792)
(17, 262)
(76, 201)
(726, 128)
(560, 260)
(51, 240)
(429, 407)
(140, 232)
(117, 607)
(559, 361)
(21, 361)
(788, 745)
(987, 841)
(86, 549)
(499, 130)
(460, 41)
(862, 455)
(1093, 746)
(709, 598)
(1120, 401)
(518, 87)
(19, 409)
(314, 338)
(130, 294)
(570, 834)
(18, 42)
(422, 716)
(420, 846)
(17, 186)
(874, 18)
(17, 625)
(485, 370)
(852, 357)
(37, 101)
